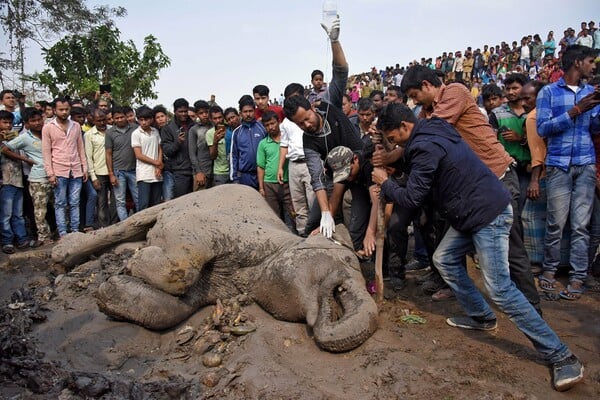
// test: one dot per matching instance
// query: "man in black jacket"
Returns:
(442, 168)
(175, 144)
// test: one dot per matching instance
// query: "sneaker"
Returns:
(566, 373)
(415, 265)
(397, 283)
(421, 279)
(26, 244)
(472, 323)
(433, 285)
(8, 249)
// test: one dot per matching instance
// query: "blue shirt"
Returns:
(569, 139)
(32, 147)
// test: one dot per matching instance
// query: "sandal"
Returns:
(443, 295)
(547, 283)
(573, 292)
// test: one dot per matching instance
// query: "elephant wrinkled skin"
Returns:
(221, 242)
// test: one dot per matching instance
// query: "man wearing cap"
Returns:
(352, 171)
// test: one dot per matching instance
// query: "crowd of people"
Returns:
(532, 56)
(493, 154)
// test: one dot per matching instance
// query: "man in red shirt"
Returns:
(261, 98)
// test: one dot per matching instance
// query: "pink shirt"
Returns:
(63, 152)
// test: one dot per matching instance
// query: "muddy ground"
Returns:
(54, 343)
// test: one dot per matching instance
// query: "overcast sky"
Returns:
(227, 47)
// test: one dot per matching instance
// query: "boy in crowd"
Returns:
(40, 189)
(89, 196)
(174, 136)
(200, 158)
(508, 120)
(145, 141)
(275, 193)
(232, 121)
(442, 167)
(215, 140)
(318, 88)
(261, 99)
(120, 161)
(244, 144)
(11, 192)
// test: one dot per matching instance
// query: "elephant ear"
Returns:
(342, 235)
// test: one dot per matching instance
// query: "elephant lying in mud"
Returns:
(219, 243)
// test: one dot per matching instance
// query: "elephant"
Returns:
(219, 243)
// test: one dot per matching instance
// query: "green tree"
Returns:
(44, 21)
(78, 64)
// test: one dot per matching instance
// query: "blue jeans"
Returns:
(594, 231)
(149, 194)
(91, 197)
(491, 244)
(67, 192)
(570, 197)
(13, 224)
(126, 181)
(168, 185)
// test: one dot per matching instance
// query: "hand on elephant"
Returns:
(327, 226)
(369, 243)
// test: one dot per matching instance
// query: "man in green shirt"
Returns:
(276, 194)
(508, 120)
(215, 139)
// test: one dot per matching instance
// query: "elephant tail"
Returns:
(347, 315)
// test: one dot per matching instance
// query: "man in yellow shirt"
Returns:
(95, 154)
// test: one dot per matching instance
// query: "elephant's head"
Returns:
(320, 281)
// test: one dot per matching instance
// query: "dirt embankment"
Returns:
(54, 343)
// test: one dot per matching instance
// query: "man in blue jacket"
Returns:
(244, 145)
(444, 170)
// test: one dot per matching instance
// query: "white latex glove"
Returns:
(333, 31)
(327, 226)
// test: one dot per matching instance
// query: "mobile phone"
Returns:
(502, 129)
(105, 88)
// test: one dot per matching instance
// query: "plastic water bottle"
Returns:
(329, 12)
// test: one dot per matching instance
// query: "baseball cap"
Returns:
(339, 160)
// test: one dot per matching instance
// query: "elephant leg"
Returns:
(128, 298)
(76, 248)
(155, 267)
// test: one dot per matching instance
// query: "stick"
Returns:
(379, 242)
(379, 237)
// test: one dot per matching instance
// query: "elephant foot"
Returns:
(347, 316)
(155, 267)
(130, 299)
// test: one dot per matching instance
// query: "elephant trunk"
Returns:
(347, 315)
